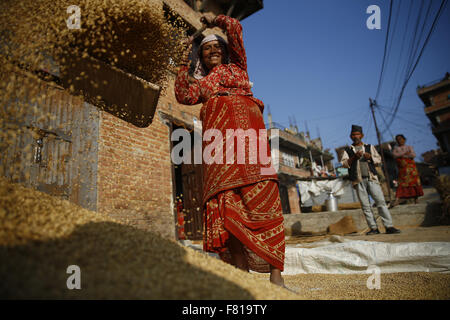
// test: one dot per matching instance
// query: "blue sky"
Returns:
(318, 62)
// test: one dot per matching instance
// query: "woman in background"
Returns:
(409, 185)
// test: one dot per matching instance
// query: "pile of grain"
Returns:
(40, 236)
(393, 286)
(344, 226)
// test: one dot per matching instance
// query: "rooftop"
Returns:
(434, 85)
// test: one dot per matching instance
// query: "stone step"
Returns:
(422, 214)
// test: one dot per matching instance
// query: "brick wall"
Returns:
(135, 179)
(441, 99)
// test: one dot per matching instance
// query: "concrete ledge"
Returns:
(422, 214)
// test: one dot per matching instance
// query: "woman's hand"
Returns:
(208, 20)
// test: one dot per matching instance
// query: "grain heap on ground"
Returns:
(40, 236)
(393, 286)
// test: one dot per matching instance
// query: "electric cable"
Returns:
(440, 10)
(385, 50)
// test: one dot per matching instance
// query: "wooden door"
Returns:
(191, 175)
(54, 149)
(284, 197)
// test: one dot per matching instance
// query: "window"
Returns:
(288, 159)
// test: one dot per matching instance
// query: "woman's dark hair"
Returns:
(400, 135)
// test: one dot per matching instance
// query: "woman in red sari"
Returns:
(409, 185)
(243, 219)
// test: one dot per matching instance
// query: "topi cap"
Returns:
(356, 128)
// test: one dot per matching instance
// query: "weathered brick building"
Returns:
(436, 97)
(293, 158)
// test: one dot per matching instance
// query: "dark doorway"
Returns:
(188, 188)
(284, 197)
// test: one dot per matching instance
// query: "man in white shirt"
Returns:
(360, 159)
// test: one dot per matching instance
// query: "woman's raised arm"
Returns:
(233, 29)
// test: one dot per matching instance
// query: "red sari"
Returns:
(237, 198)
(409, 185)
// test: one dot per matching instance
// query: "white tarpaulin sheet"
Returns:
(343, 256)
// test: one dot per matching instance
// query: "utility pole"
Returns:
(372, 104)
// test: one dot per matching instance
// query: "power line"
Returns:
(392, 99)
(393, 34)
(397, 72)
(388, 110)
(413, 115)
(411, 50)
(413, 46)
(385, 49)
(384, 119)
(438, 15)
(418, 126)
(443, 4)
(408, 63)
(423, 26)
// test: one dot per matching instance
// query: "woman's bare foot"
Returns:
(275, 276)
(277, 279)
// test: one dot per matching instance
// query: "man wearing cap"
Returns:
(361, 159)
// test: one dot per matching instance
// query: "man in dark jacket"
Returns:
(360, 159)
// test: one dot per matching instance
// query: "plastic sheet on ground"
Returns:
(197, 247)
(337, 255)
